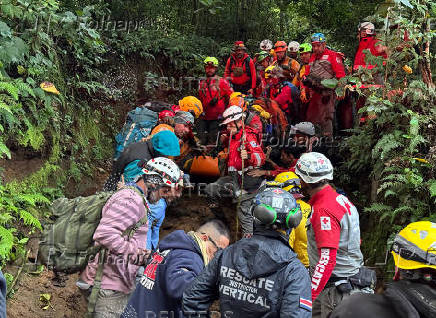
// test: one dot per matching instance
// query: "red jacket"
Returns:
(282, 95)
(328, 65)
(248, 76)
(217, 88)
(368, 43)
(256, 156)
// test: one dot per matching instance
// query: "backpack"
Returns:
(157, 106)
(139, 124)
(67, 243)
(246, 62)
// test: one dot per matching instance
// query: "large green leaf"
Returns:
(330, 83)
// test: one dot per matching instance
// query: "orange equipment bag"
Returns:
(205, 166)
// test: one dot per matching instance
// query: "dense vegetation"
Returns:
(102, 56)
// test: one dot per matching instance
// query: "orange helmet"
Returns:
(160, 128)
(280, 46)
(238, 101)
(191, 104)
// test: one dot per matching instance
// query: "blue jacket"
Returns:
(154, 223)
(256, 277)
(172, 268)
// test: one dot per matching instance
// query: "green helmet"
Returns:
(211, 60)
(305, 47)
(261, 56)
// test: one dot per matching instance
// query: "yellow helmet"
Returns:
(415, 246)
(269, 71)
(191, 104)
(288, 181)
(236, 94)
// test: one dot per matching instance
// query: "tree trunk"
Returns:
(424, 64)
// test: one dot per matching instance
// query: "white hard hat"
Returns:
(293, 46)
(166, 169)
(368, 26)
(231, 114)
(304, 127)
(266, 45)
(313, 167)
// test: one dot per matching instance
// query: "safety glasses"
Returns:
(213, 242)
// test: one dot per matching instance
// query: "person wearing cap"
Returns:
(293, 48)
(290, 182)
(283, 92)
(183, 128)
(289, 65)
(164, 143)
(240, 70)
(413, 291)
(244, 151)
(214, 93)
(305, 52)
(333, 235)
(260, 276)
(323, 64)
(368, 41)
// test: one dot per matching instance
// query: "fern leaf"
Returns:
(378, 208)
(400, 210)
(4, 150)
(10, 88)
(29, 219)
(6, 242)
(32, 199)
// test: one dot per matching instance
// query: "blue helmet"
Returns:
(318, 37)
(275, 206)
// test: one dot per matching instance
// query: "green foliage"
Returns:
(396, 147)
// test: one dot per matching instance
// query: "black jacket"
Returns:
(402, 299)
(165, 278)
(137, 151)
(257, 277)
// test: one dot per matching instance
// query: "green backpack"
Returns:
(67, 244)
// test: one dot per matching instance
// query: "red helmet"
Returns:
(280, 46)
(165, 113)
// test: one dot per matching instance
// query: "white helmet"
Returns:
(231, 114)
(266, 45)
(368, 26)
(293, 46)
(313, 167)
(304, 127)
(166, 169)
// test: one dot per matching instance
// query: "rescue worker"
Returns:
(109, 283)
(413, 291)
(323, 64)
(368, 41)
(191, 104)
(289, 65)
(305, 54)
(214, 93)
(333, 235)
(266, 46)
(293, 48)
(290, 182)
(180, 258)
(164, 143)
(260, 276)
(244, 151)
(282, 92)
(240, 70)
(263, 60)
(183, 128)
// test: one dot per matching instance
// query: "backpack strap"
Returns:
(247, 67)
(92, 299)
